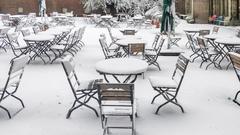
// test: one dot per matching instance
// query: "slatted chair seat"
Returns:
(163, 82)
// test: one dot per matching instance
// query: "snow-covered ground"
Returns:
(206, 95)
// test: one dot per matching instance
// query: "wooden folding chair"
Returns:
(235, 59)
(83, 91)
(14, 77)
(136, 50)
(116, 100)
(152, 55)
(169, 87)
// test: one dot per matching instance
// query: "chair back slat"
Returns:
(155, 41)
(115, 92)
(215, 30)
(180, 69)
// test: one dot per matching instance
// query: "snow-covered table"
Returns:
(105, 19)
(38, 45)
(116, 67)
(128, 31)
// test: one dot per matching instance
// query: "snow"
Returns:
(206, 95)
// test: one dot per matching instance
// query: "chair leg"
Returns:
(155, 98)
(19, 100)
(161, 106)
(179, 106)
(9, 115)
(235, 98)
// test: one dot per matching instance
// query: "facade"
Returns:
(27, 6)
(202, 9)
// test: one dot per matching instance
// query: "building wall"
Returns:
(201, 11)
(11, 6)
(180, 6)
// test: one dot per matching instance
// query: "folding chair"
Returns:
(3, 38)
(108, 53)
(194, 47)
(207, 54)
(83, 91)
(114, 39)
(17, 49)
(235, 59)
(14, 77)
(173, 40)
(136, 50)
(152, 55)
(116, 101)
(169, 87)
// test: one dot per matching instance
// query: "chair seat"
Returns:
(162, 82)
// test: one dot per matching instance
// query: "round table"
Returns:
(122, 67)
(38, 38)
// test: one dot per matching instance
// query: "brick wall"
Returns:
(11, 6)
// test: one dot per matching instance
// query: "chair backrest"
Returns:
(215, 30)
(202, 43)
(109, 94)
(155, 41)
(136, 49)
(14, 75)
(129, 32)
(192, 42)
(36, 29)
(180, 69)
(204, 32)
(103, 43)
(235, 59)
(25, 32)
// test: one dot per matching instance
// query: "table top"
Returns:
(126, 41)
(123, 29)
(228, 41)
(122, 66)
(39, 37)
(137, 17)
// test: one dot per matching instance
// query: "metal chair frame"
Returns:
(170, 93)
